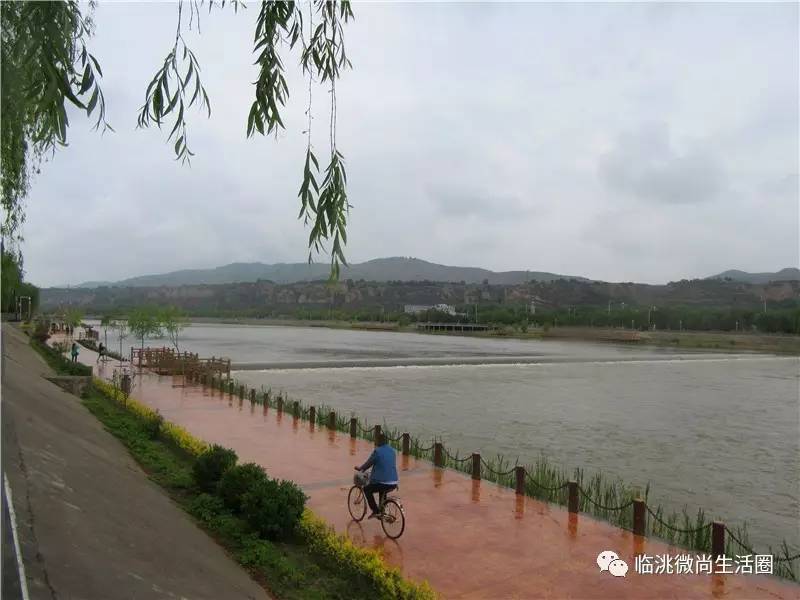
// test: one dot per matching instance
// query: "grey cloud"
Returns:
(510, 138)
(648, 167)
(460, 201)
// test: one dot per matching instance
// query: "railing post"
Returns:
(376, 434)
(639, 516)
(519, 472)
(476, 466)
(353, 427)
(331, 420)
(252, 396)
(572, 502)
(406, 444)
(312, 414)
(717, 539)
(438, 458)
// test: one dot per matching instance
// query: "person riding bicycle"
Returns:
(383, 478)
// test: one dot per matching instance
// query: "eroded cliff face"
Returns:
(393, 295)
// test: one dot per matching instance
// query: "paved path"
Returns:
(92, 525)
(468, 539)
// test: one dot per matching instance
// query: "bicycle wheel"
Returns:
(393, 519)
(356, 503)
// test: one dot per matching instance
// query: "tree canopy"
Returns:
(46, 65)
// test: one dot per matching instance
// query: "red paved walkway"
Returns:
(468, 539)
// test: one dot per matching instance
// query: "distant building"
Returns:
(414, 309)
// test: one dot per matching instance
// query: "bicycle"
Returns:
(390, 510)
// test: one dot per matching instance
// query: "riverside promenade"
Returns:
(468, 539)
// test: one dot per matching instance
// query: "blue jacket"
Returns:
(384, 466)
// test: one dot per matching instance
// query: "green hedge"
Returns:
(211, 465)
(273, 508)
(237, 481)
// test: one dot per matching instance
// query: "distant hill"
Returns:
(788, 274)
(380, 269)
(269, 299)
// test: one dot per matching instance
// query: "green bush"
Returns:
(41, 332)
(237, 481)
(273, 508)
(153, 425)
(211, 465)
(206, 507)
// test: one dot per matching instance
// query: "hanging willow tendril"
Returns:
(45, 64)
(325, 55)
(279, 27)
(160, 101)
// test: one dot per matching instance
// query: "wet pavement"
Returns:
(467, 539)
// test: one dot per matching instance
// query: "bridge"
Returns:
(453, 327)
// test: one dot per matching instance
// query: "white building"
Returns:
(418, 308)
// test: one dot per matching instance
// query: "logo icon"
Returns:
(609, 561)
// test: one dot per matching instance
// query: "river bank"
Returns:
(723, 341)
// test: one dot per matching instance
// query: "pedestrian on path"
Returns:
(101, 351)
(74, 352)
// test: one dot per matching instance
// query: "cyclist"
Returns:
(383, 478)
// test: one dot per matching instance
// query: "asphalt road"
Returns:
(11, 583)
(91, 524)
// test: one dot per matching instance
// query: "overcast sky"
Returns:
(616, 141)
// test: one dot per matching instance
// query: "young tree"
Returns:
(144, 322)
(172, 321)
(46, 63)
(121, 327)
(73, 317)
(105, 323)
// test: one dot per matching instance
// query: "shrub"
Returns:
(211, 465)
(153, 424)
(39, 332)
(237, 481)
(205, 507)
(273, 508)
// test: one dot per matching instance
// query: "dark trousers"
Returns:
(371, 488)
